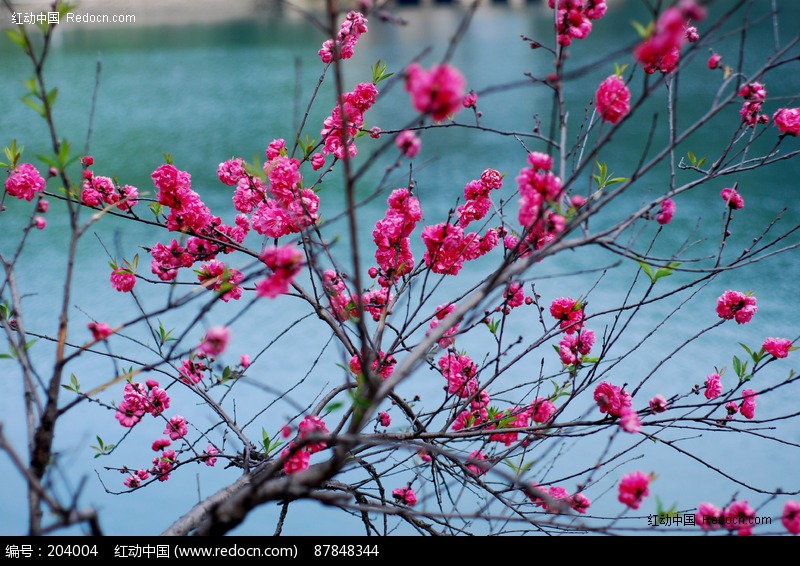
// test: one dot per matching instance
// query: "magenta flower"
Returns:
(629, 420)
(658, 404)
(343, 46)
(316, 426)
(476, 462)
(128, 414)
(714, 61)
(748, 408)
(778, 347)
(231, 171)
(713, 386)
(215, 341)
(160, 443)
(210, 455)
(708, 517)
(296, 461)
(580, 503)
(122, 279)
(176, 427)
(285, 262)
(732, 198)
(25, 182)
(633, 488)
(739, 517)
(661, 50)
(569, 312)
(788, 120)
(611, 399)
(667, 211)
(408, 143)
(384, 418)
(438, 91)
(244, 361)
(405, 495)
(736, 305)
(613, 99)
(100, 330)
(542, 410)
(470, 100)
(791, 516)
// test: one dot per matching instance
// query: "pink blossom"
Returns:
(40, 222)
(573, 347)
(317, 161)
(542, 410)
(448, 338)
(736, 305)
(313, 425)
(633, 488)
(343, 46)
(129, 197)
(515, 417)
(476, 462)
(382, 364)
(470, 100)
(611, 399)
(122, 279)
(231, 171)
(176, 427)
(569, 313)
(296, 460)
(221, 279)
(408, 143)
(658, 404)
(42, 205)
(778, 347)
(732, 408)
(210, 455)
(87, 160)
(384, 418)
(661, 50)
(557, 497)
(613, 99)
(739, 517)
(748, 408)
(791, 516)
(667, 211)
(713, 386)
(580, 503)
(158, 401)
(732, 198)
(754, 94)
(405, 495)
(128, 414)
(714, 61)
(25, 182)
(285, 262)
(245, 361)
(708, 517)
(164, 464)
(787, 120)
(160, 443)
(192, 371)
(286, 431)
(100, 330)
(574, 18)
(438, 91)
(629, 420)
(132, 481)
(460, 372)
(215, 341)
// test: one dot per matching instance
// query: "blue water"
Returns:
(204, 93)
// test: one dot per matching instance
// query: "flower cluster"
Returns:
(405, 495)
(478, 202)
(633, 488)
(739, 516)
(296, 456)
(339, 130)
(538, 187)
(97, 190)
(461, 374)
(138, 400)
(392, 237)
(616, 402)
(737, 306)
(787, 120)
(732, 198)
(223, 280)
(25, 182)
(448, 338)
(343, 46)
(754, 95)
(778, 347)
(382, 364)
(556, 499)
(215, 341)
(613, 99)
(447, 246)
(438, 91)
(285, 262)
(661, 50)
(668, 208)
(574, 18)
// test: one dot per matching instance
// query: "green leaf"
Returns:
(646, 269)
(737, 366)
(155, 208)
(644, 32)
(51, 96)
(36, 106)
(18, 37)
(334, 406)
